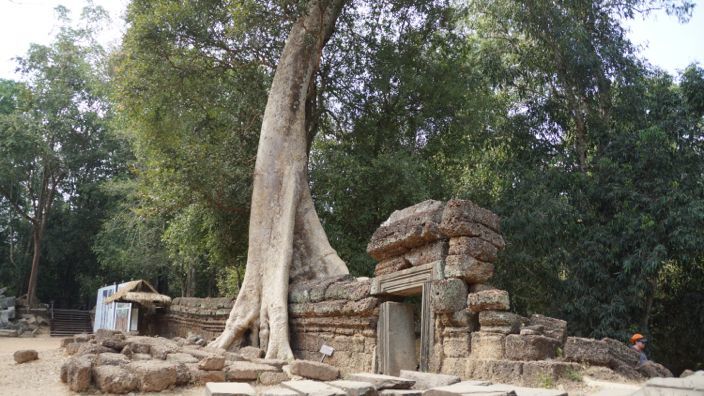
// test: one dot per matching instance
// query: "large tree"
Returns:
(286, 239)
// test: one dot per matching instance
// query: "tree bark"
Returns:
(286, 240)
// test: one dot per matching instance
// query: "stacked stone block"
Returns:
(338, 312)
(189, 315)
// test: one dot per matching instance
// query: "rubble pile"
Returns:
(112, 362)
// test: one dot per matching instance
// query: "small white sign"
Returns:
(327, 350)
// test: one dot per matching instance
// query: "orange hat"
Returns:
(635, 337)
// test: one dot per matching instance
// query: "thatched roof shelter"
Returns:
(139, 291)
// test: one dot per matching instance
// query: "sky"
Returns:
(663, 40)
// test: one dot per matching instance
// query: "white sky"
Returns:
(666, 43)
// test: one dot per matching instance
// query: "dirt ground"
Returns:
(41, 377)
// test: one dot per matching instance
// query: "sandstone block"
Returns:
(487, 345)
(651, 369)
(354, 289)
(308, 387)
(212, 363)
(434, 251)
(77, 372)
(246, 371)
(116, 344)
(459, 210)
(429, 380)
(448, 295)
(355, 388)
(529, 347)
(536, 372)
(400, 392)
(25, 355)
(460, 229)
(229, 389)
(454, 366)
(405, 229)
(621, 353)
(314, 290)
(587, 350)
(553, 328)
(473, 246)
(89, 348)
(390, 265)
(203, 376)
(463, 388)
(314, 370)
(461, 318)
(112, 359)
(83, 337)
(468, 268)
(104, 334)
(495, 370)
(497, 319)
(381, 381)
(398, 238)
(457, 346)
(278, 391)
(183, 374)
(114, 379)
(181, 357)
(66, 341)
(488, 300)
(272, 378)
(154, 375)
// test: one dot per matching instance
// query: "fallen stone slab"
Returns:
(278, 391)
(429, 380)
(25, 355)
(314, 388)
(693, 383)
(114, 379)
(522, 391)
(381, 381)
(212, 363)
(355, 388)
(314, 370)
(229, 389)
(246, 371)
(401, 392)
(154, 375)
(478, 388)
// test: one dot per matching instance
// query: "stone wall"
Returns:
(338, 312)
(202, 316)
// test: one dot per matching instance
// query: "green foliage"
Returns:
(55, 148)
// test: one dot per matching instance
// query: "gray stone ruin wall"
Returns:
(7, 310)
(338, 312)
(451, 249)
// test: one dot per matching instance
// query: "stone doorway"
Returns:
(396, 329)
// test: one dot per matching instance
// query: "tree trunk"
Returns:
(34, 272)
(286, 239)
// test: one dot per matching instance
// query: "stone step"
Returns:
(381, 381)
(429, 380)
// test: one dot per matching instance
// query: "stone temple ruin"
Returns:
(429, 308)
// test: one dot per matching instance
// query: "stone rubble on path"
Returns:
(367, 384)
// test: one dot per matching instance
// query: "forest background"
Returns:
(137, 163)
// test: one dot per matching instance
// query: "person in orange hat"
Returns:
(639, 342)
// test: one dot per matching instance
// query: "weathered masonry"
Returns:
(428, 308)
